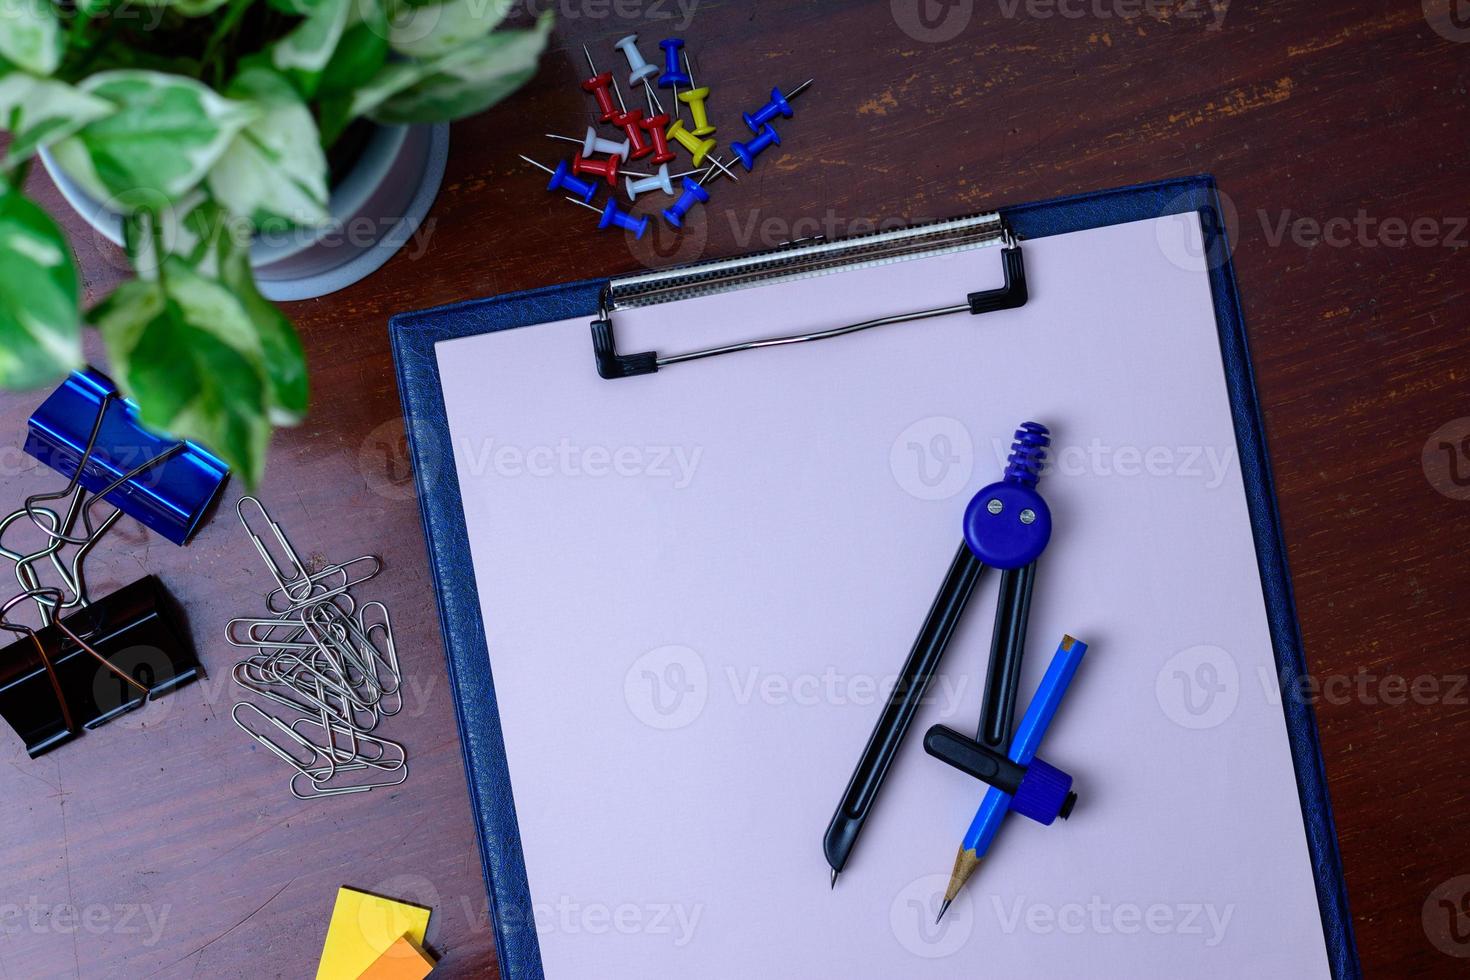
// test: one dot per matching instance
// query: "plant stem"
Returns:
(231, 20)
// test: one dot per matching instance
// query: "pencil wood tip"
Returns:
(965, 863)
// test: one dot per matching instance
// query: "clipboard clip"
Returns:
(804, 261)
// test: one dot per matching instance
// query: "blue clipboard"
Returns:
(414, 336)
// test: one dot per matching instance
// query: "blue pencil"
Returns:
(997, 802)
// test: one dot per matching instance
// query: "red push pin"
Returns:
(606, 169)
(600, 87)
(632, 123)
(656, 131)
(656, 125)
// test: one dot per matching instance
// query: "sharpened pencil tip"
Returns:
(835, 873)
(942, 909)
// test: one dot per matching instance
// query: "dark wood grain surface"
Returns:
(166, 846)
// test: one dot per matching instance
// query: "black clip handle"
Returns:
(1010, 296)
(611, 364)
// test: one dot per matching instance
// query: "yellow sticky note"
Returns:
(363, 928)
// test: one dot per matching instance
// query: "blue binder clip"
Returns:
(165, 484)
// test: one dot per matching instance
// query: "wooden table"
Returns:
(165, 845)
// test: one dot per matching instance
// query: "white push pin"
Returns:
(641, 69)
(596, 144)
(660, 181)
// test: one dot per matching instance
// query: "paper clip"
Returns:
(331, 666)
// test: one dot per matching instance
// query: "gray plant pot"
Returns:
(376, 209)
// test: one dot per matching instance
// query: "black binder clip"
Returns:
(88, 668)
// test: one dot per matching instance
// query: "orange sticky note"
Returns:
(363, 927)
(404, 960)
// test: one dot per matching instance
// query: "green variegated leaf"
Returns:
(39, 320)
(38, 111)
(149, 228)
(467, 80)
(360, 54)
(166, 134)
(30, 35)
(184, 349)
(431, 30)
(305, 53)
(275, 169)
(216, 245)
(285, 360)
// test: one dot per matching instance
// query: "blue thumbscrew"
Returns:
(1007, 524)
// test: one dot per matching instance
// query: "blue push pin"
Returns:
(562, 178)
(673, 75)
(612, 215)
(747, 152)
(780, 105)
(693, 194)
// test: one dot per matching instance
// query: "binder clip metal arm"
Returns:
(801, 262)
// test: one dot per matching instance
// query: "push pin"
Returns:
(672, 76)
(662, 173)
(780, 105)
(613, 215)
(698, 148)
(600, 88)
(562, 179)
(656, 125)
(632, 124)
(695, 99)
(658, 182)
(593, 143)
(638, 65)
(747, 152)
(679, 210)
(606, 169)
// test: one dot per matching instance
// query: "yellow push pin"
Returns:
(697, 147)
(694, 99)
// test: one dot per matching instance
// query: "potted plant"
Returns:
(206, 126)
